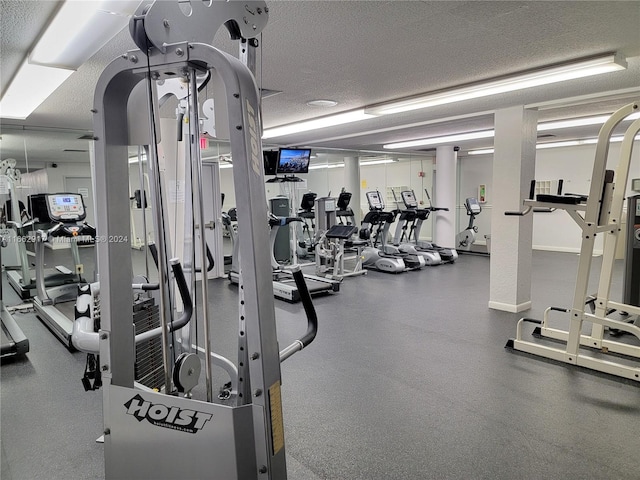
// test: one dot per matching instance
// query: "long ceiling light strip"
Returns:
(77, 32)
(362, 164)
(579, 69)
(555, 125)
(315, 124)
(570, 71)
(566, 143)
(30, 87)
(442, 140)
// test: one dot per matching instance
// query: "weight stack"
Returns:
(148, 369)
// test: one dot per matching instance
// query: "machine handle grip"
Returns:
(532, 189)
(210, 261)
(154, 253)
(310, 311)
(560, 309)
(180, 120)
(183, 289)
(517, 213)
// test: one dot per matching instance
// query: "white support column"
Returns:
(511, 237)
(444, 231)
(352, 185)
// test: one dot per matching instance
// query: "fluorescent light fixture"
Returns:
(135, 159)
(442, 140)
(377, 162)
(481, 151)
(556, 125)
(78, 31)
(546, 76)
(580, 122)
(586, 141)
(315, 124)
(29, 88)
(362, 163)
(225, 165)
(566, 143)
(326, 165)
(576, 122)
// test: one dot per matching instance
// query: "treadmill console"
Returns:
(375, 201)
(409, 199)
(65, 207)
(329, 204)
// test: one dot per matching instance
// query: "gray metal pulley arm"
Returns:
(151, 27)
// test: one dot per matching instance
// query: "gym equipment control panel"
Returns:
(66, 206)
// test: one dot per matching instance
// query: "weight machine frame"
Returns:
(151, 434)
(600, 213)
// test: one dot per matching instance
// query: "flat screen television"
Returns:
(270, 162)
(293, 160)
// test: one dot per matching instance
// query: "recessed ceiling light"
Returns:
(322, 103)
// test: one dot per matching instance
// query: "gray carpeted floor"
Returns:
(408, 379)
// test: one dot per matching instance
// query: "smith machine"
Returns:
(168, 434)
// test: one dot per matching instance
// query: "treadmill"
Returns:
(66, 212)
(22, 279)
(14, 341)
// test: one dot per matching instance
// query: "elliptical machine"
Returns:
(467, 237)
(382, 221)
(408, 218)
(307, 215)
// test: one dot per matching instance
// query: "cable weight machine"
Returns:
(164, 435)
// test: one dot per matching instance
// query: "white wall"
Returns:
(57, 175)
(472, 171)
(552, 231)
(226, 187)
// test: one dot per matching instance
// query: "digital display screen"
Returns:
(293, 160)
(67, 200)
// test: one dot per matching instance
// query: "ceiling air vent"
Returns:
(86, 136)
(546, 135)
(75, 150)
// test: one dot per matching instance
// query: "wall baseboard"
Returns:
(510, 307)
(546, 248)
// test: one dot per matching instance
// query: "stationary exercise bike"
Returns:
(467, 237)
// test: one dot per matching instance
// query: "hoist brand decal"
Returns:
(176, 418)
(256, 164)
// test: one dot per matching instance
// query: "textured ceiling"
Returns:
(364, 52)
